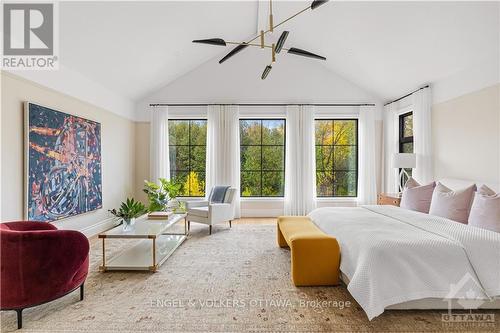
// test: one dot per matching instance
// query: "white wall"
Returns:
(70, 82)
(466, 137)
(292, 80)
(118, 151)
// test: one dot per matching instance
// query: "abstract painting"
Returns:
(63, 164)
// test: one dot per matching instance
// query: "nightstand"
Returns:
(389, 199)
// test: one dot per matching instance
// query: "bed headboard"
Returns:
(457, 184)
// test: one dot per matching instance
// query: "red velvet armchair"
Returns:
(39, 264)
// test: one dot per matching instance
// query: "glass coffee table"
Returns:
(155, 244)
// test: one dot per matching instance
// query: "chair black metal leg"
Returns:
(230, 223)
(81, 291)
(209, 229)
(189, 225)
(19, 318)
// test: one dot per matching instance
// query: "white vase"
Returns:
(173, 204)
(128, 224)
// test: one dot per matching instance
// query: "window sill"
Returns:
(337, 199)
(261, 199)
(191, 198)
(323, 199)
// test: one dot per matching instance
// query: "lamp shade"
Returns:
(404, 161)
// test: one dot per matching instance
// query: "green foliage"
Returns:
(262, 157)
(336, 157)
(159, 195)
(187, 146)
(129, 209)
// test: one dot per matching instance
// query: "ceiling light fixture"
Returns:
(275, 48)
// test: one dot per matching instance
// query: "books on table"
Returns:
(159, 215)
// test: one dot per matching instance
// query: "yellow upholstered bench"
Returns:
(315, 256)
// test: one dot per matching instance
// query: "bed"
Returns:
(393, 258)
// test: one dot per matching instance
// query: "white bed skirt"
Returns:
(433, 303)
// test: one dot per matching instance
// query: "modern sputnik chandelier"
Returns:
(275, 47)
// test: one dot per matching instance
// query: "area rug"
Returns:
(231, 281)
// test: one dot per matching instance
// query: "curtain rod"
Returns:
(254, 104)
(400, 98)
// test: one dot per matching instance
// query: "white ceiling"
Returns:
(388, 48)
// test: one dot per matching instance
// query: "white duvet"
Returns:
(392, 255)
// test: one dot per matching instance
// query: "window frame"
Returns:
(404, 139)
(189, 145)
(261, 157)
(333, 169)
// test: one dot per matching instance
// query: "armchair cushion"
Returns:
(199, 203)
(198, 211)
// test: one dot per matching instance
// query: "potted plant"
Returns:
(128, 212)
(159, 195)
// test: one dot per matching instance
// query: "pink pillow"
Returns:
(417, 197)
(485, 211)
(453, 205)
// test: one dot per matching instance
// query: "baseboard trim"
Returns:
(99, 227)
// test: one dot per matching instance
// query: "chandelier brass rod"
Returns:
(277, 25)
(253, 44)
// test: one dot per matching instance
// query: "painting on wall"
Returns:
(63, 164)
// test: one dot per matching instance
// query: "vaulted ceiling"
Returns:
(387, 48)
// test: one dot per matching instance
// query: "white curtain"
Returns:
(223, 149)
(422, 138)
(300, 164)
(367, 184)
(159, 162)
(391, 146)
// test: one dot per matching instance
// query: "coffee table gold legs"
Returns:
(154, 251)
(103, 267)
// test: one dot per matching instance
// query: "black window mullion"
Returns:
(261, 175)
(189, 157)
(333, 159)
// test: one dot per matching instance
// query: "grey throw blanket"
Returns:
(218, 194)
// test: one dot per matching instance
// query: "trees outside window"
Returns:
(262, 144)
(336, 157)
(406, 136)
(187, 154)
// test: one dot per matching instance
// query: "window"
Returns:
(336, 157)
(187, 149)
(262, 157)
(406, 133)
(406, 137)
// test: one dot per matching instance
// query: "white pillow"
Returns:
(485, 211)
(417, 197)
(453, 205)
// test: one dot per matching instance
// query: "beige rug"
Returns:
(234, 280)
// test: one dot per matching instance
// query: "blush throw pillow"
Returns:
(417, 197)
(485, 211)
(453, 205)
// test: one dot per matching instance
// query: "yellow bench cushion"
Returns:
(315, 256)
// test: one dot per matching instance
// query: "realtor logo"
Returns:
(465, 294)
(29, 36)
